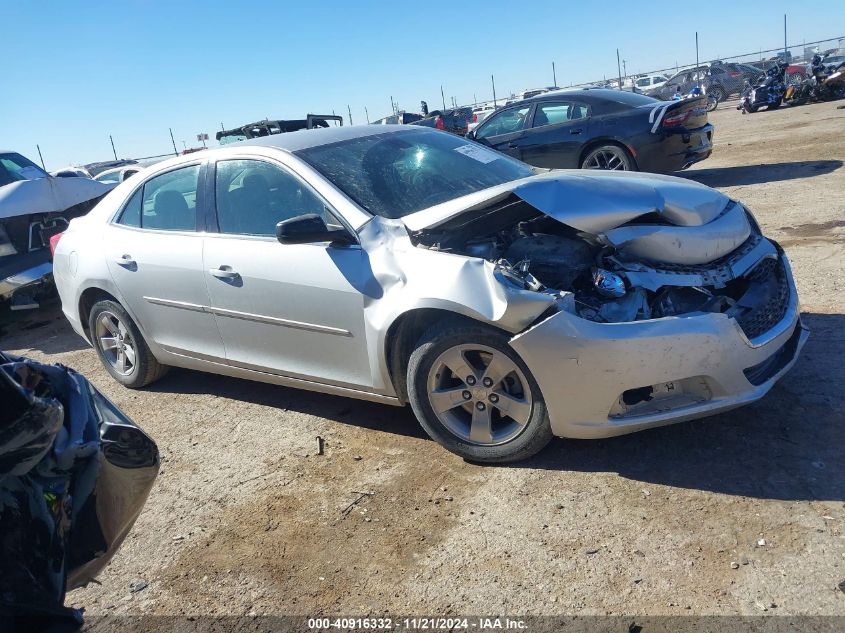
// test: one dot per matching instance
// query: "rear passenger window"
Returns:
(558, 112)
(253, 196)
(169, 201)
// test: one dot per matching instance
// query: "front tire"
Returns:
(473, 394)
(121, 347)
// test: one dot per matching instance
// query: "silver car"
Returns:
(403, 265)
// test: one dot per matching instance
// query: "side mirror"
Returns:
(471, 134)
(308, 229)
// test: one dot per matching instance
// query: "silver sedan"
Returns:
(404, 265)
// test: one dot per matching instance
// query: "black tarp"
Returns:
(75, 473)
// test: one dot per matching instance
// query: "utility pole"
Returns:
(222, 129)
(554, 76)
(442, 96)
(624, 68)
(785, 49)
(41, 157)
(696, 50)
(176, 151)
(619, 68)
(112, 147)
(493, 81)
(367, 115)
(349, 110)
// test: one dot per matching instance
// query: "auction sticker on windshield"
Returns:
(481, 154)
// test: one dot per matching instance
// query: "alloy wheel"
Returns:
(611, 158)
(479, 394)
(116, 343)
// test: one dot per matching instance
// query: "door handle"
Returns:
(126, 261)
(512, 145)
(578, 131)
(224, 272)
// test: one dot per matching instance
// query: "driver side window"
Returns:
(504, 122)
(252, 196)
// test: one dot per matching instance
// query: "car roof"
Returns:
(600, 93)
(305, 139)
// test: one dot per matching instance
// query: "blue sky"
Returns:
(73, 73)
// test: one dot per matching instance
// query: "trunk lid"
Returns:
(686, 114)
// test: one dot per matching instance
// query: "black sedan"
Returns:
(601, 129)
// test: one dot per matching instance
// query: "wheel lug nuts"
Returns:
(466, 395)
(488, 382)
(494, 397)
(480, 406)
(470, 380)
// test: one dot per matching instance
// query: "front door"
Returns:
(503, 130)
(295, 310)
(154, 254)
(556, 136)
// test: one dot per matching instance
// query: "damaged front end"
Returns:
(670, 302)
(642, 252)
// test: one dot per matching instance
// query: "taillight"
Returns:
(474, 117)
(735, 74)
(54, 242)
(439, 122)
(676, 119)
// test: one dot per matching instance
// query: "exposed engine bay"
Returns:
(609, 282)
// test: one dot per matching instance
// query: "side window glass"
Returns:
(253, 196)
(131, 214)
(169, 201)
(551, 113)
(504, 123)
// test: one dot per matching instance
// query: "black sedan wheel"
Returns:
(610, 157)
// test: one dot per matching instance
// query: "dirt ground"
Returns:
(739, 513)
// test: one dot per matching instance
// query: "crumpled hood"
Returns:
(49, 194)
(696, 224)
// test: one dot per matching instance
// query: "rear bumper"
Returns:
(26, 279)
(592, 375)
(677, 150)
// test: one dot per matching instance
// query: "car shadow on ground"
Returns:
(786, 446)
(757, 174)
(359, 413)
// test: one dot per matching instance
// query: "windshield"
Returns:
(14, 167)
(395, 174)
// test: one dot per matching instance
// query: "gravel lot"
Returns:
(738, 513)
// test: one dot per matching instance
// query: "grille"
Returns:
(763, 317)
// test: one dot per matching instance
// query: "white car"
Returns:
(648, 82)
(398, 264)
(118, 174)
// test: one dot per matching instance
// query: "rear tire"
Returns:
(489, 407)
(121, 346)
(608, 157)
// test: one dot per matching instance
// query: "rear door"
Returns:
(291, 309)
(503, 129)
(154, 254)
(557, 133)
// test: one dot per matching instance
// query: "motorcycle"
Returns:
(769, 90)
(821, 84)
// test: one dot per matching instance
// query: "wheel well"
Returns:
(607, 141)
(403, 335)
(89, 297)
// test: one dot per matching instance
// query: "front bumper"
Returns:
(593, 376)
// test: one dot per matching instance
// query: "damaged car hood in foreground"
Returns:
(643, 215)
(48, 195)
